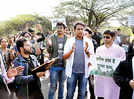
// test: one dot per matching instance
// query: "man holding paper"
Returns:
(28, 84)
(105, 87)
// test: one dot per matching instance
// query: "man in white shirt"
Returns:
(77, 52)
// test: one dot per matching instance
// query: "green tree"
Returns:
(45, 22)
(122, 17)
(92, 12)
(17, 23)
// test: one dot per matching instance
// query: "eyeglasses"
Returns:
(107, 37)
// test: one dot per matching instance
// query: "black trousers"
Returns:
(32, 95)
(4, 94)
(100, 98)
(91, 87)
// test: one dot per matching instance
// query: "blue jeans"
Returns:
(71, 85)
(56, 76)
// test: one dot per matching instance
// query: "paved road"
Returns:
(45, 88)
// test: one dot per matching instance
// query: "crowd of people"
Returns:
(72, 55)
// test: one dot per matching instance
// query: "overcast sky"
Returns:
(11, 8)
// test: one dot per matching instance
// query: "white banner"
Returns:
(55, 20)
(105, 66)
(130, 20)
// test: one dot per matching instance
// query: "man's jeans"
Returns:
(71, 85)
(56, 76)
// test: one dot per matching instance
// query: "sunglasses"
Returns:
(89, 32)
(107, 37)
